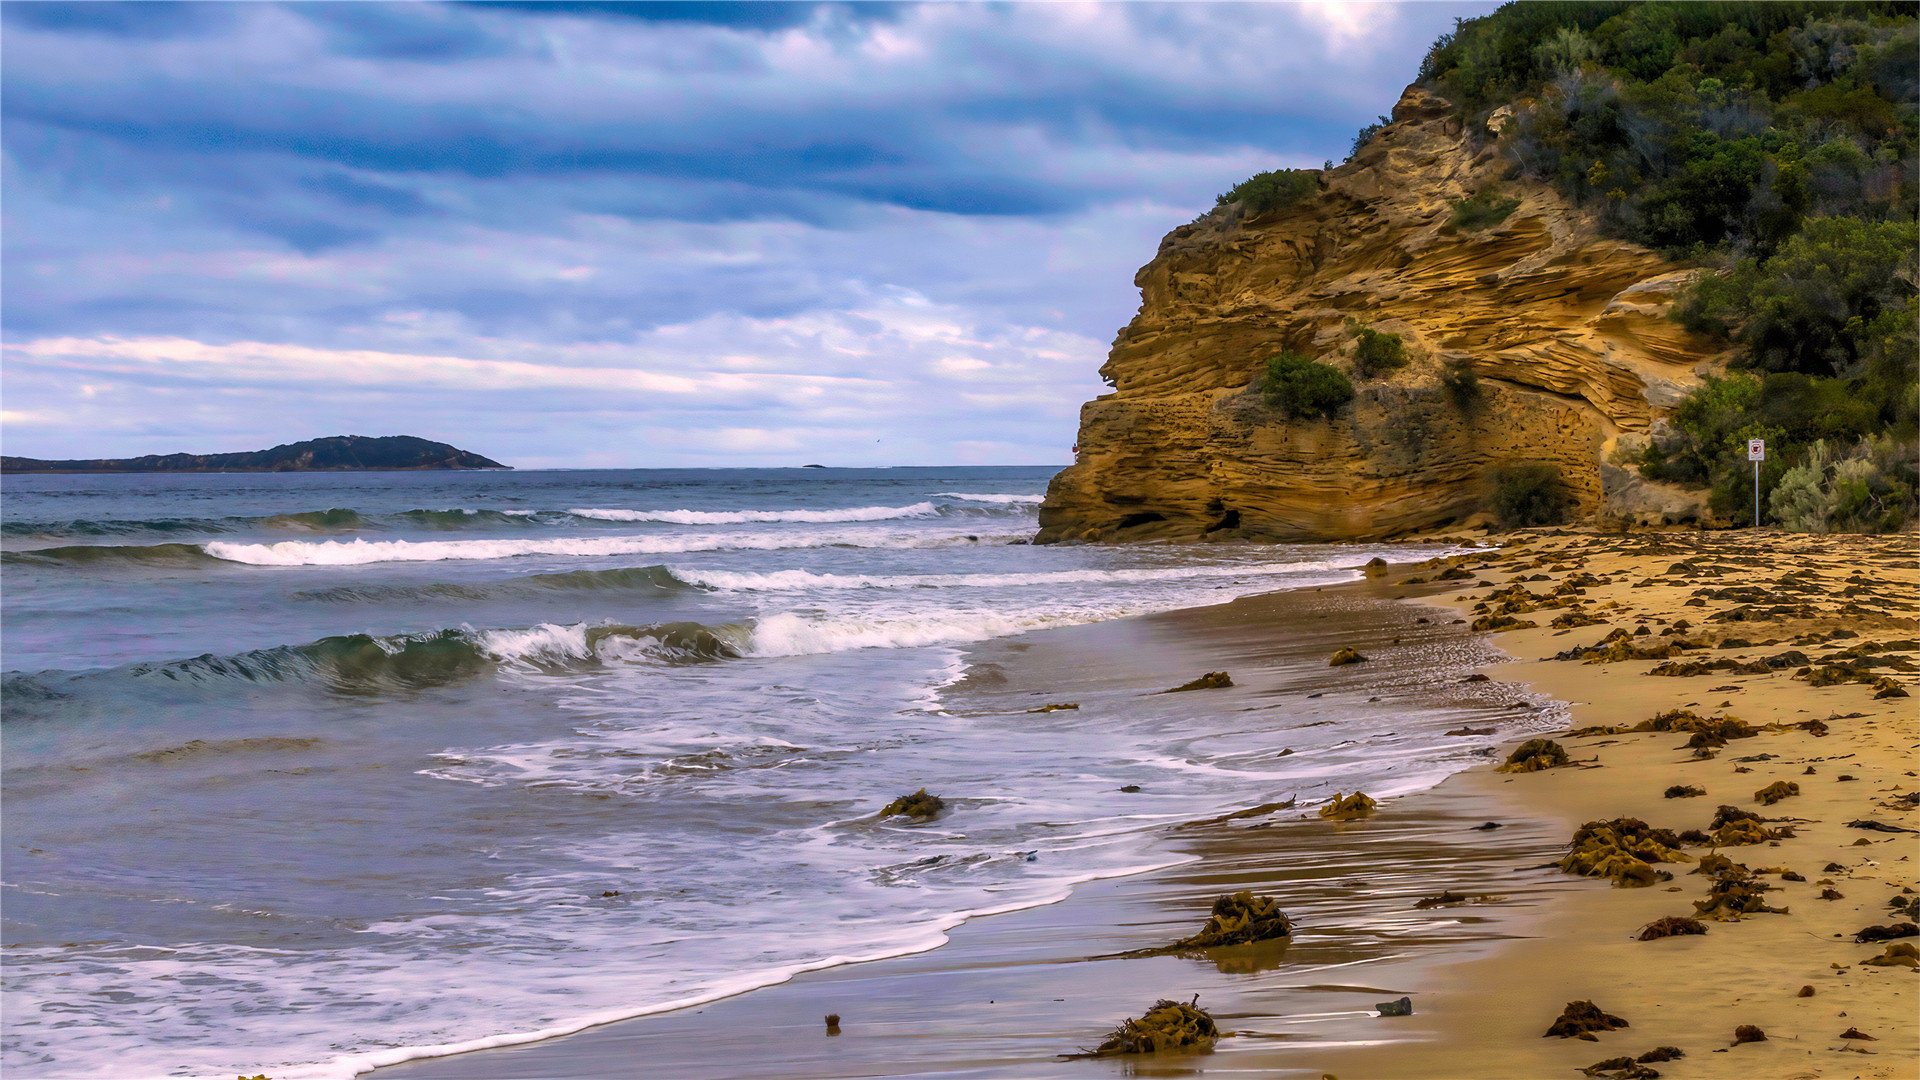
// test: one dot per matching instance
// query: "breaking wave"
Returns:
(756, 517)
(1002, 500)
(359, 551)
(108, 554)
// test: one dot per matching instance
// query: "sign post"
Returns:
(1756, 453)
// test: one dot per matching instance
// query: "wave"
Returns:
(466, 518)
(1003, 500)
(360, 551)
(754, 517)
(364, 663)
(107, 554)
(623, 579)
(344, 519)
(799, 580)
(87, 527)
(336, 518)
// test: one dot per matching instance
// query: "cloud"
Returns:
(334, 212)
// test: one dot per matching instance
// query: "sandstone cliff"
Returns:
(1565, 330)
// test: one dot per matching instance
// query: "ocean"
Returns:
(305, 773)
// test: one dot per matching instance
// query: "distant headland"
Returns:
(338, 453)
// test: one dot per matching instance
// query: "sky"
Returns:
(593, 234)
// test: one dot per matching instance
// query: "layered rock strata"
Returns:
(1565, 332)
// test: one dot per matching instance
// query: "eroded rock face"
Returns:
(1565, 330)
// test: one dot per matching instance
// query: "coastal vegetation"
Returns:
(1304, 388)
(1773, 146)
(1530, 493)
(1376, 353)
(1482, 210)
(1263, 193)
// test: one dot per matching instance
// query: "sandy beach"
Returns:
(1009, 995)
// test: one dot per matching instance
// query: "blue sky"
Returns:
(606, 234)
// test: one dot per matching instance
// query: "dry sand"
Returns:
(1011, 993)
(1694, 991)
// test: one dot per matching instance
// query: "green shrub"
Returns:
(1377, 352)
(1266, 192)
(1483, 209)
(1872, 490)
(1530, 493)
(1366, 134)
(1709, 125)
(1304, 388)
(1462, 387)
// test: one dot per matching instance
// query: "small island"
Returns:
(337, 453)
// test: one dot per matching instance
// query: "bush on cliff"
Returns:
(1483, 209)
(1263, 193)
(1529, 493)
(1463, 388)
(1376, 353)
(1304, 388)
(1694, 126)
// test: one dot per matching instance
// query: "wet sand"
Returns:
(1009, 994)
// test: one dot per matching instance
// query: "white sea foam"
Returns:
(801, 580)
(1004, 500)
(789, 634)
(751, 517)
(360, 551)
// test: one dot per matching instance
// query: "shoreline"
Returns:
(1260, 638)
(1477, 984)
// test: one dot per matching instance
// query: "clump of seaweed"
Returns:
(1503, 622)
(1670, 926)
(1886, 933)
(1580, 1020)
(1534, 755)
(1747, 1033)
(1622, 849)
(1716, 731)
(1774, 792)
(1621, 1068)
(1169, 1025)
(1685, 791)
(1898, 954)
(1733, 896)
(1733, 827)
(1060, 707)
(1343, 657)
(1662, 1053)
(1347, 807)
(917, 805)
(1240, 919)
(1212, 680)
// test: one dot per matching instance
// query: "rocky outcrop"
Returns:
(1565, 332)
(331, 454)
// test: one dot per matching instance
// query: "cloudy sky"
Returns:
(607, 234)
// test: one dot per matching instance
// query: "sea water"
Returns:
(306, 773)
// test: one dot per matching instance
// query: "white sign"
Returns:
(1756, 449)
